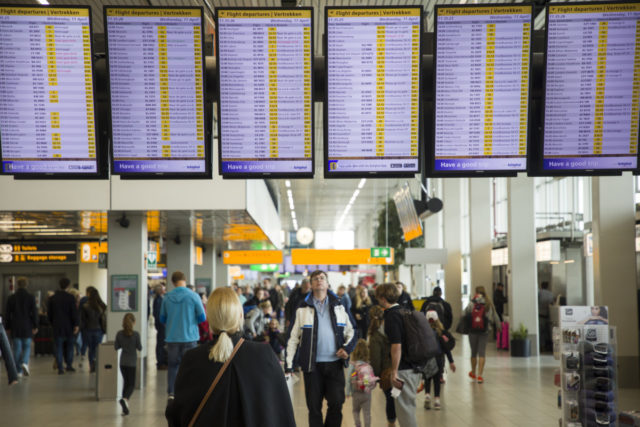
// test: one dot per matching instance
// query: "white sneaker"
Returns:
(427, 402)
(436, 404)
(25, 370)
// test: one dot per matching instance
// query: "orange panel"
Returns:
(252, 257)
(337, 257)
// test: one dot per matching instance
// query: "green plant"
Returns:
(521, 333)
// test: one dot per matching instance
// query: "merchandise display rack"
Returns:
(587, 376)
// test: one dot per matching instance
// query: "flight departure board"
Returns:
(156, 68)
(372, 106)
(592, 87)
(47, 118)
(482, 60)
(265, 63)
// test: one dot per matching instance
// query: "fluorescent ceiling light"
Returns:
(287, 183)
(355, 193)
(363, 181)
(293, 214)
(289, 194)
(44, 2)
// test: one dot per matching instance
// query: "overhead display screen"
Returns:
(47, 119)
(372, 105)
(592, 87)
(265, 63)
(156, 68)
(482, 89)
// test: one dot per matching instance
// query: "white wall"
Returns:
(91, 275)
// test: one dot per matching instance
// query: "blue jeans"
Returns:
(94, 338)
(21, 351)
(64, 345)
(85, 342)
(175, 352)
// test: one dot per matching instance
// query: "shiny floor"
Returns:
(516, 392)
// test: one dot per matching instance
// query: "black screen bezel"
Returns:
(538, 169)
(431, 156)
(264, 175)
(102, 171)
(207, 174)
(370, 174)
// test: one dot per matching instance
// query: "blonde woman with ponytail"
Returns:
(251, 392)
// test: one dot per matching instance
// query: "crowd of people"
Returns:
(257, 334)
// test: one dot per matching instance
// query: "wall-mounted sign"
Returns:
(19, 253)
(203, 285)
(199, 255)
(152, 260)
(89, 251)
(265, 268)
(252, 257)
(124, 293)
(337, 257)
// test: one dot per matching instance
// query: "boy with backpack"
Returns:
(447, 342)
(440, 306)
(361, 381)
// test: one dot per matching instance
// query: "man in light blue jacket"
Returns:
(181, 312)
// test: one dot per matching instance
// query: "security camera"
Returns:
(123, 221)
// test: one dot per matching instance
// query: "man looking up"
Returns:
(324, 335)
(181, 311)
(403, 375)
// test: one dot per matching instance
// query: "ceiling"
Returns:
(319, 203)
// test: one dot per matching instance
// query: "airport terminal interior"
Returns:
(440, 144)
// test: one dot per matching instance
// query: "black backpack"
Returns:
(421, 341)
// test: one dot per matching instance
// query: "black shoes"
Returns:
(125, 407)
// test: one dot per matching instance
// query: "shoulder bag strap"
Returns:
(215, 382)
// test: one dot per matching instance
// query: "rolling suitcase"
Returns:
(502, 337)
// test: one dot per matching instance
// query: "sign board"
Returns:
(499, 256)
(577, 315)
(203, 285)
(102, 259)
(380, 252)
(337, 257)
(252, 257)
(588, 244)
(411, 226)
(199, 255)
(152, 260)
(124, 293)
(265, 268)
(33, 253)
(425, 256)
(89, 251)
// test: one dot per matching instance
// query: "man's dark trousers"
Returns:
(325, 382)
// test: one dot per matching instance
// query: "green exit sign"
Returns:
(380, 252)
(265, 268)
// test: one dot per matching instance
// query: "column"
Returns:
(523, 276)
(452, 205)
(480, 233)
(208, 268)
(180, 257)
(614, 268)
(127, 250)
(222, 271)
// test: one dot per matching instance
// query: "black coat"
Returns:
(63, 314)
(252, 392)
(22, 314)
(404, 301)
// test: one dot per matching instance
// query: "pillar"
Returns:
(480, 233)
(222, 271)
(180, 257)
(127, 257)
(206, 271)
(451, 211)
(614, 268)
(523, 269)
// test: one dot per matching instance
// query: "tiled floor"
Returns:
(516, 392)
